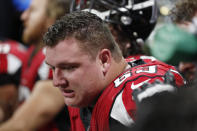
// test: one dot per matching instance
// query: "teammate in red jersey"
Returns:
(97, 83)
(34, 113)
(35, 24)
(36, 19)
(11, 59)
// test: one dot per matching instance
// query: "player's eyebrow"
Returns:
(64, 64)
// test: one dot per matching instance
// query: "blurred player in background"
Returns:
(34, 113)
(12, 56)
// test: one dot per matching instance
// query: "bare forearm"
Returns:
(44, 103)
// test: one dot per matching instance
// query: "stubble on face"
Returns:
(84, 82)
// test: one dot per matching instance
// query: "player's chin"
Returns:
(74, 103)
(70, 102)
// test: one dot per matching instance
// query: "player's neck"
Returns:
(116, 69)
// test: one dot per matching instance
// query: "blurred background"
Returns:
(10, 11)
(10, 23)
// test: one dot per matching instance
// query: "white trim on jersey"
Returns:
(157, 88)
(174, 71)
(43, 71)
(120, 113)
(148, 57)
(13, 64)
(4, 48)
(24, 93)
(185, 82)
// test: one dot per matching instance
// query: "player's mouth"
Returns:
(68, 93)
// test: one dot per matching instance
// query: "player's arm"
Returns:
(8, 101)
(44, 103)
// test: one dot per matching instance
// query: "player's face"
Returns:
(34, 20)
(78, 76)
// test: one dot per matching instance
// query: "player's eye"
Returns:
(52, 67)
(69, 67)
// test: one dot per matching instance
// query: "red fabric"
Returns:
(76, 122)
(3, 63)
(135, 75)
(30, 74)
(13, 48)
(30, 71)
(17, 50)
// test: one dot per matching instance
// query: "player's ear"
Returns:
(105, 60)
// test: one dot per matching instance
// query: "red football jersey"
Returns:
(117, 100)
(34, 69)
(11, 60)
